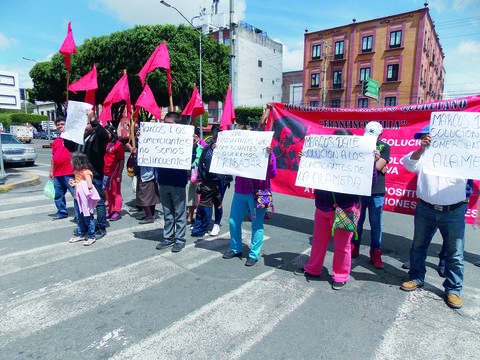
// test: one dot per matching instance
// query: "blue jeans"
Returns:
(240, 204)
(61, 186)
(174, 213)
(216, 204)
(86, 226)
(374, 204)
(202, 220)
(101, 210)
(442, 255)
(452, 228)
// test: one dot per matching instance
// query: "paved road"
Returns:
(122, 299)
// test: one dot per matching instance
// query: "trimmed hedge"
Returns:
(247, 115)
(21, 118)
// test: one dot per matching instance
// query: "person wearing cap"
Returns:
(440, 206)
(374, 202)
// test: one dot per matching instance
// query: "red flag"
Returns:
(228, 114)
(159, 58)
(119, 92)
(147, 101)
(195, 105)
(68, 47)
(88, 83)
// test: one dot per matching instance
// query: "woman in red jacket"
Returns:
(114, 160)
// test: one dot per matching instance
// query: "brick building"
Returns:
(402, 52)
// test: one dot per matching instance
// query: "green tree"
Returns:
(248, 115)
(129, 50)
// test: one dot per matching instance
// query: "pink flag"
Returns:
(228, 114)
(68, 47)
(119, 92)
(147, 101)
(159, 58)
(88, 83)
(195, 105)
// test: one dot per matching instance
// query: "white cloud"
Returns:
(448, 5)
(6, 42)
(292, 57)
(151, 12)
(463, 69)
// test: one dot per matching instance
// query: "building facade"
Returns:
(292, 87)
(402, 52)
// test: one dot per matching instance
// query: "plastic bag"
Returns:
(49, 189)
(194, 176)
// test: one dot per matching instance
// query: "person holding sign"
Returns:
(243, 200)
(172, 184)
(325, 203)
(374, 202)
(441, 206)
(113, 167)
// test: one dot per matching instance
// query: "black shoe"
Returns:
(338, 285)
(250, 261)
(100, 233)
(230, 254)
(178, 247)
(164, 244)
(149, 221)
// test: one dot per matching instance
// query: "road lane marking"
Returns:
(268, 298)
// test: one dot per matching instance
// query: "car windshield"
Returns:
(10, 139)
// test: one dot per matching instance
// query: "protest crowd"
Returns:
(173, 167)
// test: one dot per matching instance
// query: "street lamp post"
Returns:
(200, 55)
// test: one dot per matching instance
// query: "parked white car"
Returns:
(15, 152)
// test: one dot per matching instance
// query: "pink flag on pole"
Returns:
(147, 101)
(159, 58)
(195, 105)
(228, 114)
(87, 83)
(68, 47)
(118, 93)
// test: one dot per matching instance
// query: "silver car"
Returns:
(15, 152)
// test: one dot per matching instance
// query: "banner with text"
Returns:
(337, 163)
(242, 153)
(292, 123)
(455, 146)
(165, 145)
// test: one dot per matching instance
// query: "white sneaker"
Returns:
(215, 230)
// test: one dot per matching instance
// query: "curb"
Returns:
(34, 180)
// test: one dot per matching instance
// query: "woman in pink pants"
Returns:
(322, 233)
(113, 167)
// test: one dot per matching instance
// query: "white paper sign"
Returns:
(455, 147)
(339, 163)
(76, 121)
(165, 145)
(242, 153)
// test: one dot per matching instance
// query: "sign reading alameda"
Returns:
(242, 153)
(337, 163)
(165, 145)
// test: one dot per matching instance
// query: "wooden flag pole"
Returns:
(171, 103)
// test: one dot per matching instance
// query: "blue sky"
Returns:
(36, 29)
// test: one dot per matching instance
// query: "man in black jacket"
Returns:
(95, 143)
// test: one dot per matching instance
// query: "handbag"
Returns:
(263, 198)
(49, 189)
(345, 219)
(130, 165)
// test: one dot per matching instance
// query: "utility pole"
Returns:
(325, 58)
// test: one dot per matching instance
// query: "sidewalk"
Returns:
(18, 178)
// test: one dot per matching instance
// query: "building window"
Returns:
(315, 82)
(395, 39)
(273, 82)
(337, 79)
(335, 103)
(362, 103)
(226, 42)
(392, 72)
(364, 73)
(259, 63)
(367, 43)
(261, 96)
(390, 101)
(314, 103)
(261, 79)
(339, 50)
(316, 52)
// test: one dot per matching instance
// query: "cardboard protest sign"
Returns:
(337, 163)
(455, 147)
(242, 153)
(165, 145)
(76, 121)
